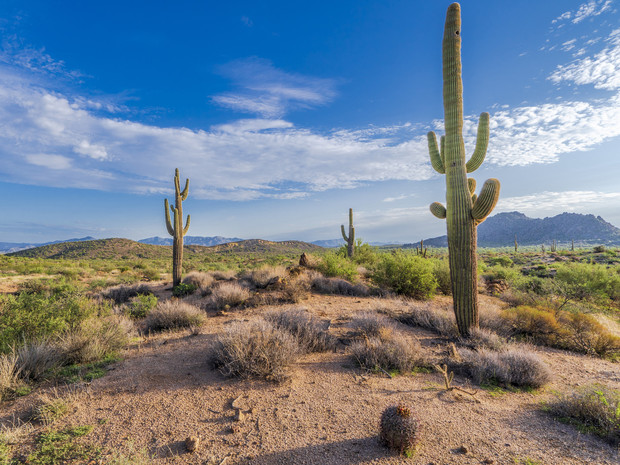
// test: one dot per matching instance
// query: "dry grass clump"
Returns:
(514, 365)
(594, 409)
(9, 375)
(339, 286)
(96, 338)
(34, 358)
(123, 292)
(392, 353)
(372, 325)
(174, 314)
(296, 288)
(199, 279)
(311, 333)
(425, 316)
(484, 338)
(263, 277)
(224, 275)
(228, 294)
(254, 349)
(51, 407)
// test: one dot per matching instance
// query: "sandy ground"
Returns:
(327, 412)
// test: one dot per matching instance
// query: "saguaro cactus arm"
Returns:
(438, 210)
(436, 156)
(344, 234)
(486, 201)
(186, 226)
(168, 222)
(482, 142)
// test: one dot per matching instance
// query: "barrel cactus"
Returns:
(464, 210)
(175, 227)
(400, 429)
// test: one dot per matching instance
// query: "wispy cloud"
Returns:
(554, 201)
(265, 90)
(585, 10)
(602, 70)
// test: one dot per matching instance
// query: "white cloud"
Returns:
(51, 161)
(585, 10)
(602, 70)
(556, 201)
(267, 91)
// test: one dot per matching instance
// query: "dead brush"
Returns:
(9, 374)
(393, 352)
(311, 333)
(53, 406)
(372, 325)
(173, 314)
(594, 408)
(254, 349)
(124, 292)
(263, 277)
(428, 317)
(35, 358)
(339, 286)
(228, 294)
(514, 365)
(199, 279)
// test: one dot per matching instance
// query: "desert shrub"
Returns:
(254, 349)
(199, 279)
(440, 321)
(151, 274)
(584, 333)
(311, 333)
(9, 374)
(228, 294)
(400, 429)
(501, 273)
(393, 352)
(339, 286)
(51, 407)
(174, 314)
(406, 274)
(123, 292)
(594, 409)
(224, 275)
(296, 289)
(501, 261)
(484, 338)
(140, 305)
(441, 271)
(371, 324)
(36, 315)
(334, 264)
(515, 365)
(599, 249)
(364, 254)
(264, 276)
(35, 358)
(183, 289)
(583, 281)
(534, 323)
(95, 339)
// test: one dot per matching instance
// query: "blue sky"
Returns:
(285, 114)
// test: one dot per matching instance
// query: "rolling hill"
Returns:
(127, 249)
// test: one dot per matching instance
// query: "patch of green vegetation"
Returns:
(85, 372)
(183, 289)
(526, 461)
(407, 274)
(5, 454)
(59, 447)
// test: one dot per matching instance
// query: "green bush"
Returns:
(334, 264)
(583, 281)
(182, 289)
(441, 271)
(140, 305)
(406, 274)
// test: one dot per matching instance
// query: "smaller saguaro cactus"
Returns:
(516, 244)
(350, 239)
(175, 227)
(572, 245)
(554, 246)
(421, 250)
(400, 429)
(542, 248)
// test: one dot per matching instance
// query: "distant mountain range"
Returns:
(496, 231)
(500, 231)
(191, 240)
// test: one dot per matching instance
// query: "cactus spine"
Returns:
(464, 210)
(175, 228)
(350, 240)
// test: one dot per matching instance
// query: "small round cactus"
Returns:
(400, 429)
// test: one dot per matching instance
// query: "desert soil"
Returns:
(164, 391)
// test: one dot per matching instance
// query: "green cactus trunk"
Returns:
(175, 227)
(350, 240)
(464, 210)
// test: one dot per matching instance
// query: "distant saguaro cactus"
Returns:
(175, 228)
(421, 250)
(464, 210)
(516, 244)
(350, 240)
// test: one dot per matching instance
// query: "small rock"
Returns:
(240, 416)
(192, 443)
(489, 461)
(463, 450)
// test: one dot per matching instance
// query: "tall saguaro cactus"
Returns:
(175, 228)
(350, 240)
(464, 210)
